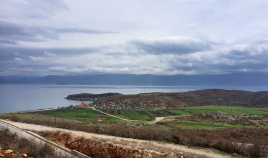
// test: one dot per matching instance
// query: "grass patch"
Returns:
(179, 112)
(228, 109)
(82, 115)
(202, 125)
(133, 115)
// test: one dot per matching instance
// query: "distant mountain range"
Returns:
(236, 79)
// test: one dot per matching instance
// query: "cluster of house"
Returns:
(85, 99)
(82, 105)
(126, 104)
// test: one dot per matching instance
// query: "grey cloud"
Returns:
(8, 53)
(254, 51)
(81, 30)
(31, 9)
(173, 46)
(251, 57)
(19, 32)
(11, 29)
(7, 42)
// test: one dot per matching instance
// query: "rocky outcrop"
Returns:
(103, 149)
(10, 154)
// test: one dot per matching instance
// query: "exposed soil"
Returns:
(95, 148)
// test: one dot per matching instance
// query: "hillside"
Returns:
(192, 98)
(89, 96)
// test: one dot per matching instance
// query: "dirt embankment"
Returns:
(101, 149)
(131, 143)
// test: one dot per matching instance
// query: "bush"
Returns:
(222, 139)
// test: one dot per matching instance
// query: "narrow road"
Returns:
(134, 143)
(109, 114)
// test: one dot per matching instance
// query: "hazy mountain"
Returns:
(243, 79)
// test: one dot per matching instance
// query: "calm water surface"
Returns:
(29, 97)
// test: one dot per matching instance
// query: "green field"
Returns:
(136, 115)
(197, 125)
(228, 109)
(82, 115)
(174, 117)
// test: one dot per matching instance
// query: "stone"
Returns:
(8, 151)
(25, 155)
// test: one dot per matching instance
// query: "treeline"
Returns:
(251, 142)
(89, 95)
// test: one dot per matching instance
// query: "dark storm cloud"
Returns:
(173, 46)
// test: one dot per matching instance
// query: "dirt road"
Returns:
(134, 143)
(109, 114)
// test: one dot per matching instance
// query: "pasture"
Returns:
(182, 118)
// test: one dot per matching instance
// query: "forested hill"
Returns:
(220, 97)
(196, 98)
(89, 96)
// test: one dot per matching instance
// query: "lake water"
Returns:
(30, 97)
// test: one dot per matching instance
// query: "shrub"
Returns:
(221, 139)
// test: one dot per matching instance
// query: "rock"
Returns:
(235, 154)
(171, 155)
(25, 155)
(8, 151)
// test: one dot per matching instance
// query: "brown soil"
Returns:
(95, 148)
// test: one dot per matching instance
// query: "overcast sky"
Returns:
(164, 37)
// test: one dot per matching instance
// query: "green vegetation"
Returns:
(199, 126)
(149, 114)
(228, 109)
(79, 114)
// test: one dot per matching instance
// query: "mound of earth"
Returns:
(102, 149)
